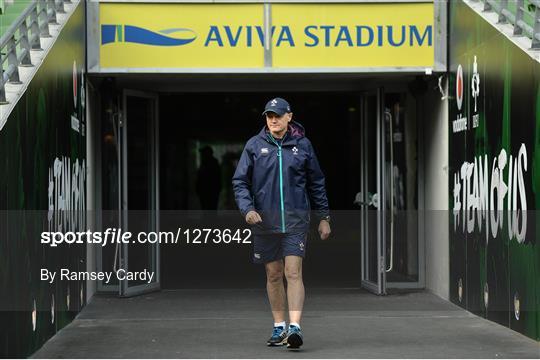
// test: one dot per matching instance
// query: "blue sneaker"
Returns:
(279, 335)
(295, 339)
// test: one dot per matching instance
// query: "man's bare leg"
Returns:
(275, 289)
(295, 287)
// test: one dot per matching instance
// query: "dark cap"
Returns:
(277, 105)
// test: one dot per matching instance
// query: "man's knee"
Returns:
(274, 273)
(274, 276)
(293, 273)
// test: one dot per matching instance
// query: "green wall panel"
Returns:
(38, 136)
(494, 173)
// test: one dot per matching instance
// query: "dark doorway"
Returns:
(223, 122)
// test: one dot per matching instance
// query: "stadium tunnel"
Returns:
(148, 142)
(368, 95)
(109, 109)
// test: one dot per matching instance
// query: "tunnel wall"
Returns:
(494, 131)
(42, 162)
(435, 153)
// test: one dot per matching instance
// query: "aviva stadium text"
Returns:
(322, 35)
(249, 35)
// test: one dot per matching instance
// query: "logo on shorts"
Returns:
(295, 150)
(264, 151)
(257, 256)
(301, 246)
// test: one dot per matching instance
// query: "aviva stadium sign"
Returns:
(210, 36)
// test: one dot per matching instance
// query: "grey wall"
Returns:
(435, 141)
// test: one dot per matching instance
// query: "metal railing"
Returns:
(524, 15)
(24, 35)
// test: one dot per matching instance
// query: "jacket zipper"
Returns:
(280, 182)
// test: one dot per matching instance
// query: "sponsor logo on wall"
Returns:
(480, 187)
(459, 87)
(300, 35)
(143, 36)
(475, 93)
(76, 124)
(247, 35)
(460, 123)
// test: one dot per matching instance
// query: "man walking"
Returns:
(277, 182)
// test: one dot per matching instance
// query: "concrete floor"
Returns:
(338, 323)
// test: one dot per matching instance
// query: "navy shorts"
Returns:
(272, 247)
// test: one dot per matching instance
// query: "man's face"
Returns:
(277, 124)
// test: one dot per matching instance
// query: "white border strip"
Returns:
(264, 1)
(314, 70)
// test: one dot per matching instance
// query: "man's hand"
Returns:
(324, 229)
(253, 217)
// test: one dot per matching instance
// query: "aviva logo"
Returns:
(138, 35)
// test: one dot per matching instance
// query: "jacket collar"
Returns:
(295, 131)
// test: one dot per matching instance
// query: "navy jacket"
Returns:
(281, 180)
